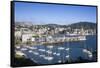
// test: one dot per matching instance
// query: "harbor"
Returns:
(59, 53)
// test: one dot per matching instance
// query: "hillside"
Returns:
(85, 25)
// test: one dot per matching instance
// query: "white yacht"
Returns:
(48, 58)
(67, 56)
(58, 54)
(23, 49)
(49, 52)
(59, 61)
(60, 48)
(42, 50)
(67, 49)
(17, 47)
(42, 56)
(30, 51)
(35, 53)
(49, 46)
(54, 53)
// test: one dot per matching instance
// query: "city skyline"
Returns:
(55, 14)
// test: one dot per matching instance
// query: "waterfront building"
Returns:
(26, 37)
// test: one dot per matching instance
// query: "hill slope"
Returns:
(85, 25)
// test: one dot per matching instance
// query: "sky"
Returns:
(53, 14)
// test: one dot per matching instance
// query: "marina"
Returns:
(59, 53)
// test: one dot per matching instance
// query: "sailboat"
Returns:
(35, 53)
(67, 49)
(59, 61)
(60, 48)
(49, 46)
(30, 51)
(49, 52)
(88, 52)
(17, 47)
(23, 49)
(48, 58)
(54, 53)
(42, 50)
(58, 54)
(67, 56)
(42, 56)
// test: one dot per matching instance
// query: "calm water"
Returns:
(60, 53)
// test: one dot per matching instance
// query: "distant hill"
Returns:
(23, 23)
(85, 25)
(78, 25)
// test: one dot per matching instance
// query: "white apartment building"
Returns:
(26, 37)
